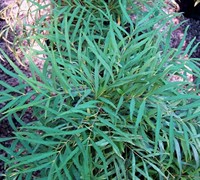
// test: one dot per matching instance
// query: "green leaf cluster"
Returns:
(103, 101)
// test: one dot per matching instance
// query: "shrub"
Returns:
(104, 104)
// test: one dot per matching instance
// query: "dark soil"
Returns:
(5, 128)
(193, 32)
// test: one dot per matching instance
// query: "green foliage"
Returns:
(104, 104)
